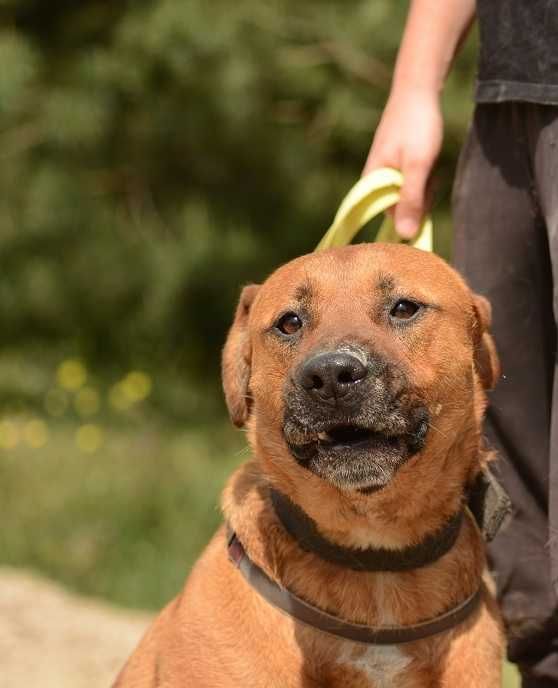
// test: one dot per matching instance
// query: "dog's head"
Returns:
(354, 361)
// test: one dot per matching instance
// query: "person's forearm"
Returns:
(410, 133)
(433, 34)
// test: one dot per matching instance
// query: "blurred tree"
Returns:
(158, 154)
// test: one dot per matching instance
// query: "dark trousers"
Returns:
(506, 245)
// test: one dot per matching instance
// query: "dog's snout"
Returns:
(331, 374)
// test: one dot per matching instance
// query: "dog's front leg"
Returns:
(474, 658)
(466, 674)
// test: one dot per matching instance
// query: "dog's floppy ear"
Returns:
(487, 363)
(236, 359)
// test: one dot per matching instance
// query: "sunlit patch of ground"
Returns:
(50, 638)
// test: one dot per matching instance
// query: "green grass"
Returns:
(125, 522)
(511, 676)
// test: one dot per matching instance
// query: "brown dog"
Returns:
(359, 374)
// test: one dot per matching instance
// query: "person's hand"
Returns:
(409, 138)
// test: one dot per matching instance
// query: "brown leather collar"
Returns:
(307, 614)
(305, 531)
(489, 506)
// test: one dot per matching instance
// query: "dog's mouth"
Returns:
(352, 455)
(342, 438)
(353, 437)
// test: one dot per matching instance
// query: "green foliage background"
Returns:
(155, 155)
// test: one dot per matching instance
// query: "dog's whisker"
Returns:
(440, 432)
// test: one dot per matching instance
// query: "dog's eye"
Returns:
(289, 323)
(404, 310)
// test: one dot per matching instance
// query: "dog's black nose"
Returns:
(331, 374)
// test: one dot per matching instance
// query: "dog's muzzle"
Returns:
(351, 418)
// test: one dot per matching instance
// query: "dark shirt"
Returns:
(518, 51)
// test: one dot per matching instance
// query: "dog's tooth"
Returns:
(300, 436)
(323, 436)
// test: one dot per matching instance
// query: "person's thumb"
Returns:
(411, 205)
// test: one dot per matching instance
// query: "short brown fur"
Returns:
(219, 633)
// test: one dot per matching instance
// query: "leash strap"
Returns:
(371, 195)
(312, 616)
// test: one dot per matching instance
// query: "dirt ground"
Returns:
(50, 638)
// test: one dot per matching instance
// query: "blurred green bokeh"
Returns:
(157, 155)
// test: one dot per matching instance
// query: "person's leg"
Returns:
(543, 134)
(501, 248)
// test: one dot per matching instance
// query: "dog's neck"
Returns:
(306, 533)
(381, 520)
(367, 597)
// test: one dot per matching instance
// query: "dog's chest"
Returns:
(379, 667)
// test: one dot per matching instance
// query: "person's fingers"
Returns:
(380, 155)
(372, 162)
(410, 209)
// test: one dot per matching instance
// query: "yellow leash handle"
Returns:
(369, 197)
